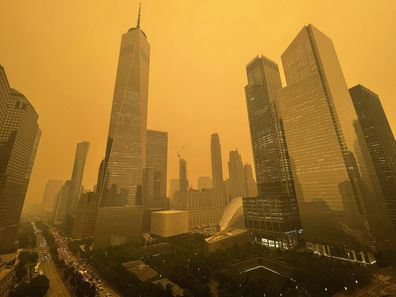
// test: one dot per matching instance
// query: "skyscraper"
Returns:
(334, 189)
(154, 186)
(126, 145)
(217, 164)
(58, 215)
(4, 93)
(237, 176)
(52, 188)
(86, 214)
(250, 183)
(272, 216)
(77, 176)
(204, 182)
(120, 178)
(183, 181)
(174, 187)
(19, 139)
(380, 141)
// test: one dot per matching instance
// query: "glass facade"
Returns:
(272, 216)
(19, 139)
(380, 141)
(126, 146)
(155, 173)
(122, 171)
(77, 176)
(337, 201)
(237, 175)
(4, 93)
(217, 164)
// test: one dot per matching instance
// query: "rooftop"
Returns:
(170, 211)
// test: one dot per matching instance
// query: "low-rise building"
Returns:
(169, 223)
(176, 290)
(227, 239)
(142, 271)
(118, 225)
(205, 207)
(7, 273)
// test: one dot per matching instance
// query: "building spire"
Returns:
(138, 19)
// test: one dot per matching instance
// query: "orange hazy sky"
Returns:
(63, 55)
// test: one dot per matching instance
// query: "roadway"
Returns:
(87, 271)
(56, 286)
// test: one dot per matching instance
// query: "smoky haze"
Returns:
(62, 55)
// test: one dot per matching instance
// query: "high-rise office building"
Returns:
(155, 173)
(4, 93)
(340, 215)
(120, 181)
(272, 216)
(174, 187)
(219, 185)
(203, 208)
(86, 215)
(19, 139)
(183, 181)
(77, 176)
(237, 176)
(204, 182)
(216, 161)
(58, 215)
(52, 188)
(126, 145)
(250, 183)
(380, 141)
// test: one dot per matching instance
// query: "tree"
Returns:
(39, 286)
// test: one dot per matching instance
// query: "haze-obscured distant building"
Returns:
(52, 188)
(174, 187)
(219, 184)
(169, 223)
(380, 141)
(183, 181)
(155, 173)
(216, 161)
(77, 176)
(58, 215)
(204, 209)
(237, 176)
(250, 183)
(204, 182)
(86, 215)
(19, 139)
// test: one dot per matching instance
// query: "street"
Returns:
(56, 285)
